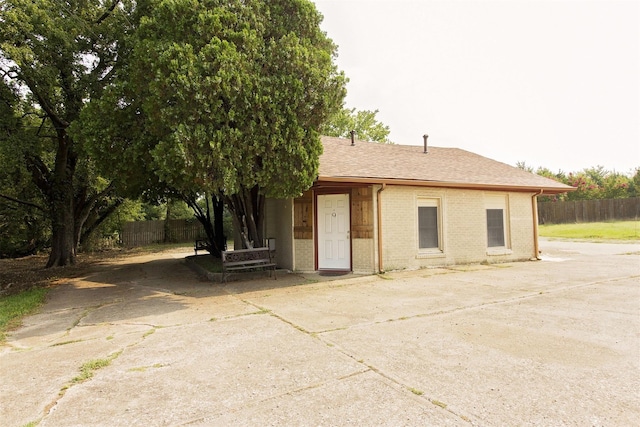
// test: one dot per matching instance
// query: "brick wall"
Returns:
(463, 231)
(463, 222)
(304, 259)
(521, 225)
(363, 256)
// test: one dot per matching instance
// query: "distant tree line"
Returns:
(591, 183)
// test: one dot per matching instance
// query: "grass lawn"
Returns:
(616, 230)
(14, 307)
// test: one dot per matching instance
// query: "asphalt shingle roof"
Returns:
(409, 165)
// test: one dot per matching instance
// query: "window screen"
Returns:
(428, 227)
(495, 227)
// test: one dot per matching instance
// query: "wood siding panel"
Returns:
(362, 213)
(303, 216)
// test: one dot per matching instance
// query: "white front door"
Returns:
(334, 244)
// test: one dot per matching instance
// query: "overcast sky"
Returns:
(551, 83)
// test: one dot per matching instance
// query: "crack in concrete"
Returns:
(50, 407)
(397, 383)
(339, 349)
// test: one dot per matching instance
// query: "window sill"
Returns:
(499, 251)
(434, 254)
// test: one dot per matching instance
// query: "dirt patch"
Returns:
(17, 275)
(21, 274)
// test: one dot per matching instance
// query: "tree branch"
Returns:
(33, 113)
(85, 204)
(107, 12)
(191, 201)
(44, 120)
(101, 217)
(22, 202)
(57, 121)
(40, 173)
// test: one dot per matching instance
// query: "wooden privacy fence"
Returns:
(588, 210)
(140, 233)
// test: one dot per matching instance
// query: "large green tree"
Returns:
(55, 57)
(227, 100)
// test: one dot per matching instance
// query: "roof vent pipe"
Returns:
(425, 136)
(353, 137)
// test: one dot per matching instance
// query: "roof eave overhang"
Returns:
(324, 180)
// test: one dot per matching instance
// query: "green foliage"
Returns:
(129, 210)
(634, 184)
(24, 228)
(153, 212)
(23, 231)
(14, 307)
(177, 209)
(363, 122)
(226, 86)
(228, 99)
(54, 58)
(135, 210)
(23, 223)
(591, 183)
(250, 87)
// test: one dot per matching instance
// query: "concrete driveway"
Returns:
(555, 342)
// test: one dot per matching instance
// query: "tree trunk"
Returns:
(220, 240)
(63, 242)
(214, 230)
(97, 217)
(167, 228)
(238, 241)
(90, 210)
(63, 248)
(248, 209)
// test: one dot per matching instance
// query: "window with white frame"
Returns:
(497, 221)
(429, 227)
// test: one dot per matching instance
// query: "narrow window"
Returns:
(495, 227)
(428, 229)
